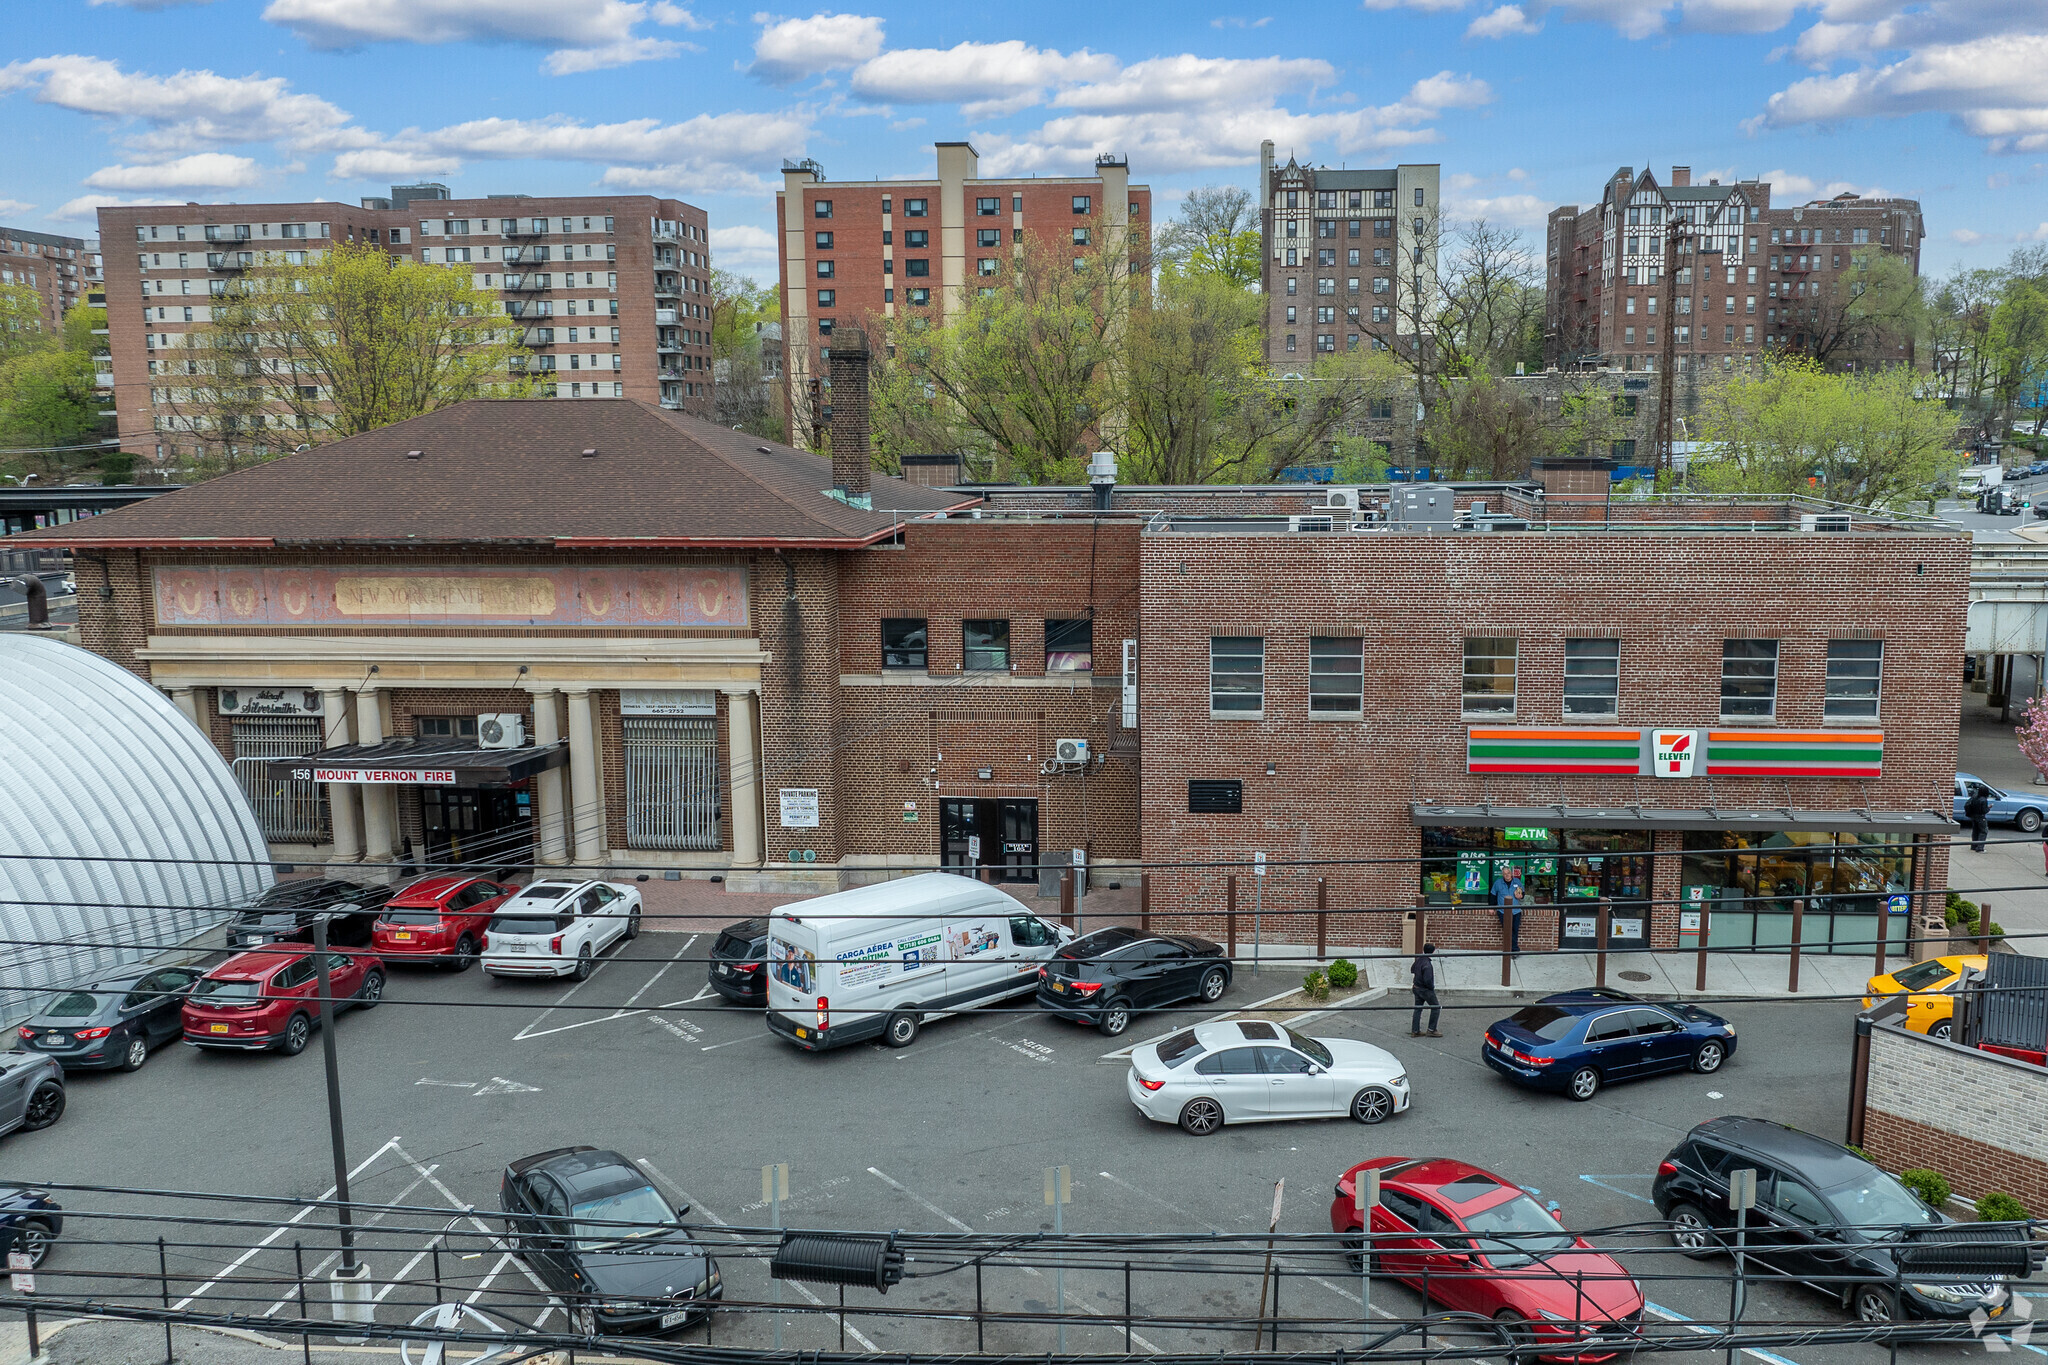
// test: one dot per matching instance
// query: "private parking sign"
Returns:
(1674, 752)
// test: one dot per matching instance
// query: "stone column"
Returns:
(547, 788)
(746, 779)
(186, 699)
(585, 812)
(378, 822)
(343, 807)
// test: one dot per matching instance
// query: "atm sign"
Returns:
(1674, 752)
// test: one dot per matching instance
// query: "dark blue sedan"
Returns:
(29, 1222)
(1581, 1040)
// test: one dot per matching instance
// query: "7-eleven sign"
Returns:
(1674, 750)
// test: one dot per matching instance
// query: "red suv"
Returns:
(438, 918)
(269, 998)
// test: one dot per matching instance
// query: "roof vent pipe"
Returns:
(1102, 478)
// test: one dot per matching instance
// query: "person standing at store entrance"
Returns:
(1507, 904)
(1422, 975)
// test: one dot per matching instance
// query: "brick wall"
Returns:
(1979, 1119)
(797, 613)
(115, 609)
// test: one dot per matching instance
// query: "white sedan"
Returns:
(1250, 1071)
(559, 928)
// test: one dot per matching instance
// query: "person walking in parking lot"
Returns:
(1507, 904)
(1977, 810)
(1422, 972)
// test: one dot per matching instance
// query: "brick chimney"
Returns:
(851, 445)
(1681, 176)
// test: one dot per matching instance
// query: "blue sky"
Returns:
(1526, 105)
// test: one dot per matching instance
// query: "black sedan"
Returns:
(1103, 977)
(739, 962)
(593, 1226)
(29, 1222)
(112, 1020)
(1823, 1215)
(286, 911)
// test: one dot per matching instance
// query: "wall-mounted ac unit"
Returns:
(1824, 521)
(1344, 499)
(1070, 751)
(501, 730)
(1311, 523)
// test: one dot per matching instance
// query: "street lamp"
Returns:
(351, 1282)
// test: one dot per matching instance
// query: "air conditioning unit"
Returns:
(1310, 524)
(1824, 521)
(1070, 751)
(501, 730)
(1340, 499)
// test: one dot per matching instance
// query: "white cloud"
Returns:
(1991, 84)
(14, 207)
(1506, 22)
(148, 4)
(184, 111)
(1966, 236)
(1787, 186)
(388, 163)
(86, 208)
(589, 36)
(790, 49)
(1427, 5)
(1234, 21)
(568, 61)
(671, 15)
(988, 79)
(1517, 173)
(1447, 91)
(744, 247)
(201, 170)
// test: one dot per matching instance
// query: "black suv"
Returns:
(1823, 1215)
(1103, 977)
(285, 913)
(739, 962)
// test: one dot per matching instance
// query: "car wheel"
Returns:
(465, 953)
(34, 1238)
(1114, 1019)
(2029, 821)
(1585, 1083)
(633, 926)
(1201, 1117)
(1362, 1260)
(584, 964)
(900, 1031)
(1372, 1105)
(45, 1107)
(1691, 1233)
(371, 991)
(295, 1035)
(586, 1321)
(1873, 1303)
(136, 1054)
(1709, 1058)
(1213, 983)
(1943, 1030)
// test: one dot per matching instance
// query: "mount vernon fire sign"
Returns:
(1676, 753)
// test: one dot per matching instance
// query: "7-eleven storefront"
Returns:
(1666, 849)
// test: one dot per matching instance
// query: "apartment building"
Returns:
(1346, 255)
(1749, 278)
(857, 249)
(55, 267)
(612, 290)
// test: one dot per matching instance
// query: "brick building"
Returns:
(57, 268)
(1750, 278)
(611, 289)
(751, 662)
(855, 249)
(1345, 255)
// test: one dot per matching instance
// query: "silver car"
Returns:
(1252, 1071)
(31, 1091)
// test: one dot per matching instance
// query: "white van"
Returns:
(878, 961)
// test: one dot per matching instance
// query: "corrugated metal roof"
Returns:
(97, 765)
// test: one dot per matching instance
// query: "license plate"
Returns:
(801, 1033)
(675, 1319)
(724, 970)
(55, 1039)
(403, 938)
(1057, 986)
(515, 947)
(217, 1028)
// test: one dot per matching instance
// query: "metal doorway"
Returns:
(672, 784)
(1007, 832)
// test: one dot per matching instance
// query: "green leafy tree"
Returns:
(1869, 314)
(50, 401)
(1213, 235)
(744, 396)
(21, 320)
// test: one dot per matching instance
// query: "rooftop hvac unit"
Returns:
(1314, 523)
(1824, 521)
(1340, 499)
(501, 730)
(1070, 751)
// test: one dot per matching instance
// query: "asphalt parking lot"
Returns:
(454, 1075)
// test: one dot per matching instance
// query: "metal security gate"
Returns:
(289, 811)
(672, 794)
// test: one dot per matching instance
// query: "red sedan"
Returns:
(438, 918)
(1477, 1243)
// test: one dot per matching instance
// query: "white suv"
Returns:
(559, 928)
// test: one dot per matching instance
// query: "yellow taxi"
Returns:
(1928, 987)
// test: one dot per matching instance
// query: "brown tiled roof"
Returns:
(512, 471)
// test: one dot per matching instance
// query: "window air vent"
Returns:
(1215, 796)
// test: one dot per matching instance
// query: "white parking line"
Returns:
(476, 1222)
(534, 1030)
(331, 1257)
(279, 1231)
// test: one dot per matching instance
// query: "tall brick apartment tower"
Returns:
(613, 290)
(854, 249)
(1345, 255)
(55, 267)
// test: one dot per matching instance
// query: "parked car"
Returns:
(1104, 977)
(30, 1222)
(1579, 1041)
(285, 914)
(593, 1226)
(31, 1091)
(270, 998)
(559, 928)
(112, 1020)
(1486, 1247)
(1929, 988)
(739, 962)
(1251, 1071)
(438, 919)
(1823, 1215)
(2018, 809)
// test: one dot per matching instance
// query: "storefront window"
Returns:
(1459, 863)
(1752, 880)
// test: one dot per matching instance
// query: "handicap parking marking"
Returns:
(626, 1011)
(1604, 1182)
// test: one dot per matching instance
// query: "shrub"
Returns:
(1931, 1186)
(2000, 1208)
(1958, 910)
(1316, 986)
(1852, 1147)
(1343, 974)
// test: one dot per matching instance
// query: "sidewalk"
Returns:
(2011, 858)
